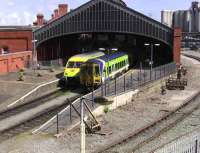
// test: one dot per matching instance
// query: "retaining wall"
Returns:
(15, 61)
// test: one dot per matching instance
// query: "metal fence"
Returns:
(51, 63)
(127, 82)
(186, 144)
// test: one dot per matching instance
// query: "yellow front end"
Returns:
(71, 72)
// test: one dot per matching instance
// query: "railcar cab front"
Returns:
(90, 75)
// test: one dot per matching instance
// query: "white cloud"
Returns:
(16, 18)
(10, 2)
(28, 18)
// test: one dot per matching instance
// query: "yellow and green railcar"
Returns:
(72, 69)
(96, 71)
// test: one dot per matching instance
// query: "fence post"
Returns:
(160, 72)
(196, 146)
(124, 83)
(141, 72)
(144, 76)
(138, 79)
(164, 70)
(70, 113)
(105, 87)
(115, 86)
(108, 87)
(131, 80)
(57, 125)
(102, 90)
(93, 96)
(82, 126)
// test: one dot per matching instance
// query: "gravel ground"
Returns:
(194, 53)
(189, 124)
(11, 89)
(147, 106)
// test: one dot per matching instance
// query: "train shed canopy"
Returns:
(101, 16)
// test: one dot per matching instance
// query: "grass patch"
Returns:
(106, 109)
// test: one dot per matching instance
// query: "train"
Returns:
(96, 71)
(72, 68)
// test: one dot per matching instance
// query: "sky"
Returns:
(23, 12)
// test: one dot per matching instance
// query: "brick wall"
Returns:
(15, 61)
(16, 41)
(177, 45)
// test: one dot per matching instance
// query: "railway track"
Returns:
(135, 140)
(38, 101)
(35, 120)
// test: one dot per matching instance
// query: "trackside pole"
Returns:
(57, 124)
(82, 128)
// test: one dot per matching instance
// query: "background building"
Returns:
(15, 39)
(167, 17)
(182, 19)
(187, 20)
(195, 16)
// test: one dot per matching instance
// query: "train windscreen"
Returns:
(74, 64)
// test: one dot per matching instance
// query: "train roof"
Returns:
(86, 56)
(112, 56)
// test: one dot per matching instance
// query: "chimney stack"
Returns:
(52, 16)
(63, 8)
(40, 19)
(56, 14)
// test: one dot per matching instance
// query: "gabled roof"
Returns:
(119, 3)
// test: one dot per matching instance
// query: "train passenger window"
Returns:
(104, 72)
(109, 69)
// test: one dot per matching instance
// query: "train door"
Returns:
(97, 76)
(103, 75)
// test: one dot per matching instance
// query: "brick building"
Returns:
(16, 44)
(16, 39)
(15, 47)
